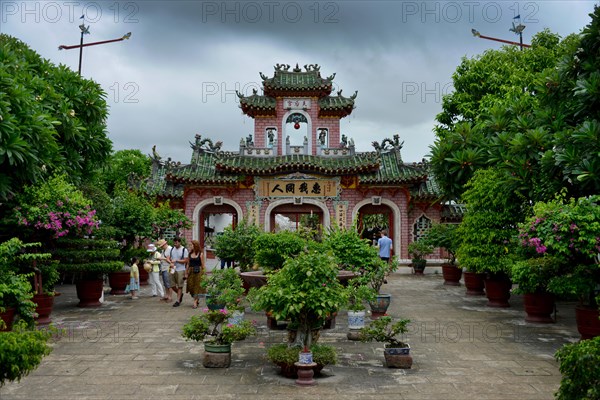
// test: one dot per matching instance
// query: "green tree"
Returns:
(489, 224)
(490, 120)
(51, 119)
(570, 99)
(132, 216)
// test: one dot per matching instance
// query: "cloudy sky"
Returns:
(177, 75)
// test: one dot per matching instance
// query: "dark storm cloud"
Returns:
(178, 74)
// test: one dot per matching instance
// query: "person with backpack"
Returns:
(179, 256)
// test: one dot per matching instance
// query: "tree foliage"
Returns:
(50, 119)
(493, 119)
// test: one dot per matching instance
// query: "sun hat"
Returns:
(161, 243)
(151, 248)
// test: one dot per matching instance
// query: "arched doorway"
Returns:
(293, 217)
(213, 219)
(373, 218)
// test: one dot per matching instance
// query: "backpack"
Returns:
(182, 254)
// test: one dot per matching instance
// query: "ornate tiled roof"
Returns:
(392, 170)
(291, 83)
(257, 105)
(344, 165)
(210, 166)
(452, 212)
(428, 190)
(338, 106)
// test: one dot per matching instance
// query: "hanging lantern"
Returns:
(297, 125)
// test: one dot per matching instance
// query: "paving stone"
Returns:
(461, 349)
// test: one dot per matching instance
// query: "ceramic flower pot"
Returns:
(380, 305)
(216, 355)
(398, 357)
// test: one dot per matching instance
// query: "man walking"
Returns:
(180, 256)
(385, 248)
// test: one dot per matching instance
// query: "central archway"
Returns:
(290, 207)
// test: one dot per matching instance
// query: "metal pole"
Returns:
(80, 52)
(521, 40)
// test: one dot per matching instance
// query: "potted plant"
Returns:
(238, 244)
(567, 230)
(532, 277)
(89, 260)
(417, 251)
(486, 233)
(118, 280)
(16, 292)
(224, 289)
(305, 292)
(445, 237)
(579, 364)
(285, 356)
(359, 293)
(384, 330)
(376, 275)
(212, 327)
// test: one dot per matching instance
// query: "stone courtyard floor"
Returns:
(133, 349)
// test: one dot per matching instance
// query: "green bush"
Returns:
(21, 351)
(272, 249)
(580, 369)
(238, 244)
(283, 354)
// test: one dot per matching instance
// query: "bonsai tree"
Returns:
(285, 356)
(384, 331)
(579, 364)
(378, 271)
(213, 327)
(238, 244)
(224, 288)
(444, 236)
(272, 249)
(305, 291)
(417, 251)
(359, 292)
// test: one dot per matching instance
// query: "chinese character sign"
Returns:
(296, 103)
(340, 215)
(297, 187)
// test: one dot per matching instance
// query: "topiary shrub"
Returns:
(88, 257)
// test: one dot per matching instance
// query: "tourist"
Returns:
(165, 264)
(179, 256)
(385, 248)
(154, 274)
(195, 273)
(134, 278)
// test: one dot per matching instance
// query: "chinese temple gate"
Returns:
(296, 166)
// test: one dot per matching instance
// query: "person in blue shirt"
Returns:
(385, 246)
